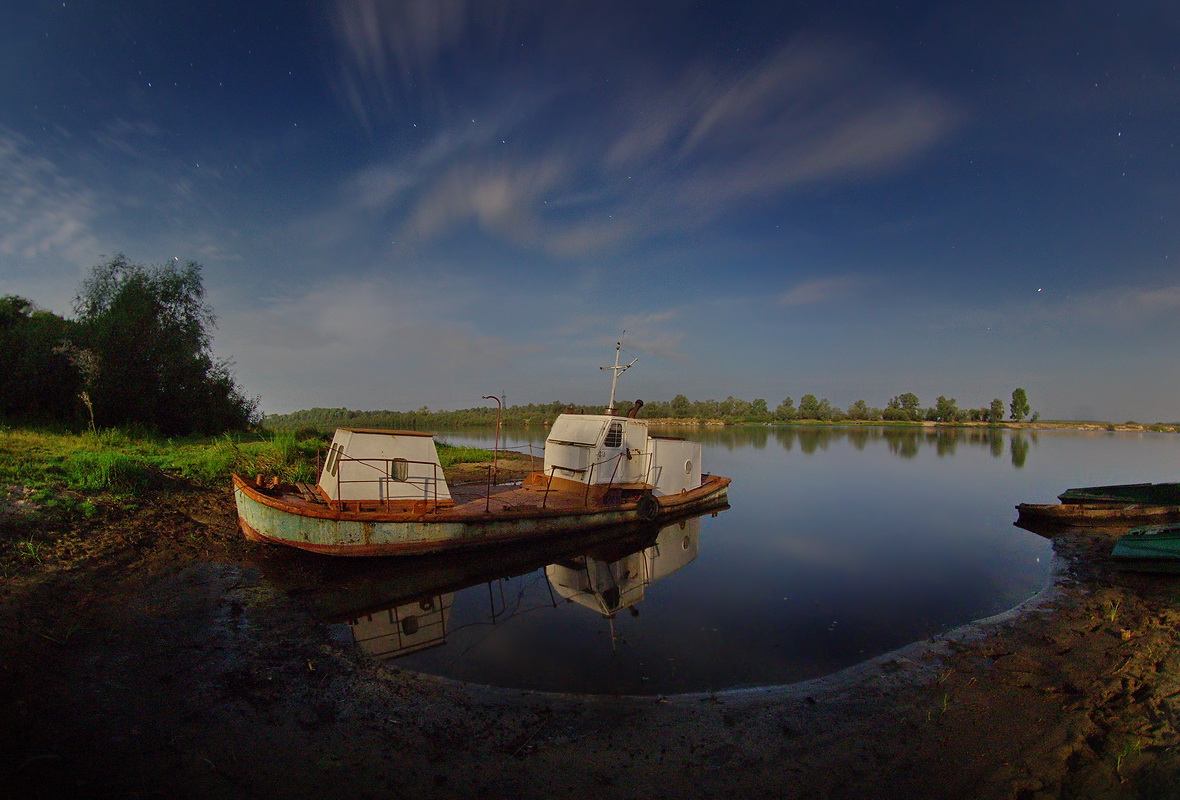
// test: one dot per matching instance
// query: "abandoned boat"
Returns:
(1094, 515)
(1159, 494)
(1150, 547)
(383, 492)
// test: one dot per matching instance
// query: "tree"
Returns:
(149, 330)
(680, 406)
(858, 410)
(37, 379)
(812, 408)
(946, 410)
(1019, 406)
(809, 407)
(902, 407)
(996, 412)
(786, 410)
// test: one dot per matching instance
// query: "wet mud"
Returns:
(154, 658)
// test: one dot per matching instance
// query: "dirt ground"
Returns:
(158, 661)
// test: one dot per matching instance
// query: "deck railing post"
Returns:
(548, 483)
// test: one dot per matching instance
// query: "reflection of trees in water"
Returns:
(904, 442)
(946, 444)
(995, 443)
(1019, 450)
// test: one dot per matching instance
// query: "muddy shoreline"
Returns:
(160, 662)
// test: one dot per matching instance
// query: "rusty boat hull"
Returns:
(1094, 515)
(540, 508)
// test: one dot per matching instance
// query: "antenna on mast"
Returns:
(617, 369)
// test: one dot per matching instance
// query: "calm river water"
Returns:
(840, 544)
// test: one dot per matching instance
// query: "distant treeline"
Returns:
(902, 408)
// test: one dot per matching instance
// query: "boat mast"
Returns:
(610, 409)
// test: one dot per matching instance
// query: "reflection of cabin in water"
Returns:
(404, 629)
(608, 582)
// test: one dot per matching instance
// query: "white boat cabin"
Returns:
(384, 466)
(605, 449)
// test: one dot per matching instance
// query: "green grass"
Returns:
(53, 483)
(122, 465)
(449, 454)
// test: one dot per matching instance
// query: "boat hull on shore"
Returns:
(1158, 494)
(535, 510)
(1154, 548)
(1094, 515)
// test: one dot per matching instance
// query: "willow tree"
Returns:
(149, 329)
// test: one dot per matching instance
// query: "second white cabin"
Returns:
(599, 449)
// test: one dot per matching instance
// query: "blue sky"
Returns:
(400, 204)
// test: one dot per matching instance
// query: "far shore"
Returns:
(1039, 425)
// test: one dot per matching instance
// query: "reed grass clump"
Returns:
(106, 471)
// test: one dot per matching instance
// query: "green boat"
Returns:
(1159, 494)
(1152, 549)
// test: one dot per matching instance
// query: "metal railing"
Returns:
(589, 472)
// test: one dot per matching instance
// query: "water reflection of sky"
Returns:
(839, 545)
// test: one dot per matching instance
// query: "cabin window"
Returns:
(334, 459)
(399, 470)
(614, 435)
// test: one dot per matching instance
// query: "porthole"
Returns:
(688, 467)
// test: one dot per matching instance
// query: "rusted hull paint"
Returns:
(1095, 515)
(323, 530)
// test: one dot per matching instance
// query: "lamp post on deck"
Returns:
(496, 451)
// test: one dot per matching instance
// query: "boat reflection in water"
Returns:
(609, 580)
(405, 628)
(396, 608)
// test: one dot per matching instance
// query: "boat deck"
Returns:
(470, 500)
(474, 499)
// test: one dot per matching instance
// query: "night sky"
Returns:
(400, 204)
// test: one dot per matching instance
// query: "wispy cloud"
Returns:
(655, 333)
(315, 335)
(662, 149)
(814, 111)
(1100, 309)
(822, 290)
(391, 48)
(43, 211)
(501, 197)
(1116, 306)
